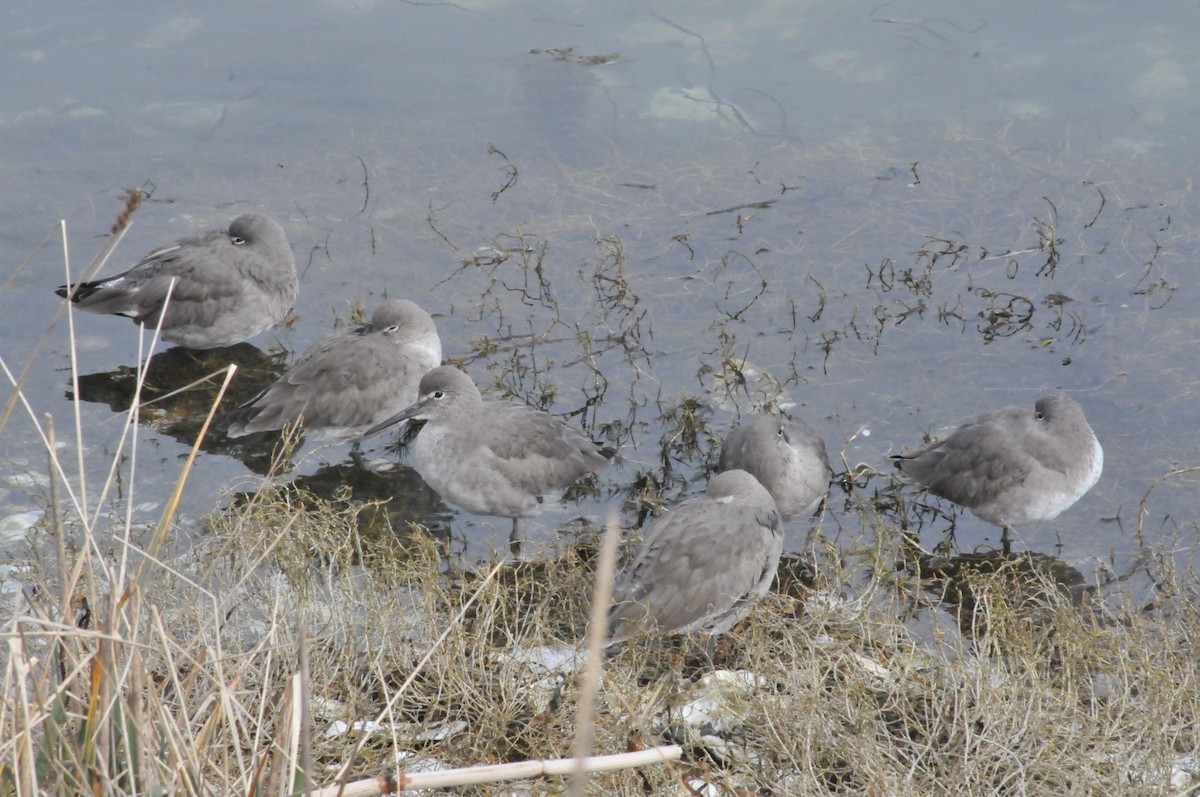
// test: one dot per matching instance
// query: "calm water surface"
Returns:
(886, 217)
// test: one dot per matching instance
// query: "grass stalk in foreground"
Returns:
(597, 627)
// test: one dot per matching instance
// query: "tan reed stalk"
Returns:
(601, 597)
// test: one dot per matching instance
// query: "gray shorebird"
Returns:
(493, 457)
(1015, 465)
(350, 381)
(703, 565)
(786, 456)
(229, 285)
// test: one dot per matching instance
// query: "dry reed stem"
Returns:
(56, 527)
(497, 773)
(305, 719)
(602, 597)
(168, 514)
(133, 415)
(18, 672)
(67, 307)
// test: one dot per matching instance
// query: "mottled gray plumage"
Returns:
(351, 380)
(493, 457)
(786, 457)
(1015, 465)
(703, 565)
(230, 285)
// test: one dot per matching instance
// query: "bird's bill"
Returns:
(404, 415)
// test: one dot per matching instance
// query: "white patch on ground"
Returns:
(713, 712)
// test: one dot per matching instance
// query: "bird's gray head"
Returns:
(778, 428)
(739, 487)
(404, 322)
(267, 239)
(442, 390)
(767, 431)
(1059, 409)
(256, 230)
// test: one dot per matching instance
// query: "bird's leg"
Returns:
(514, 539)
(1005, 541)
(708, 649)
(356, 456)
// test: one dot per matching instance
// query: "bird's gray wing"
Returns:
(204, 288)
(537, 451)
(973, 465)
(702, 559)
(345, 381)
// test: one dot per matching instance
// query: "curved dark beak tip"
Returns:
(403, 415)
(379, 427)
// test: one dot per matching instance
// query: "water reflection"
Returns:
(180, 387)
(397, 496)
(994, 586)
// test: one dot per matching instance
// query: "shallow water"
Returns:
(903, 214)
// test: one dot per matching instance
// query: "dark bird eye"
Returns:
(1041, 416)
(237, 240)
(439, 394)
